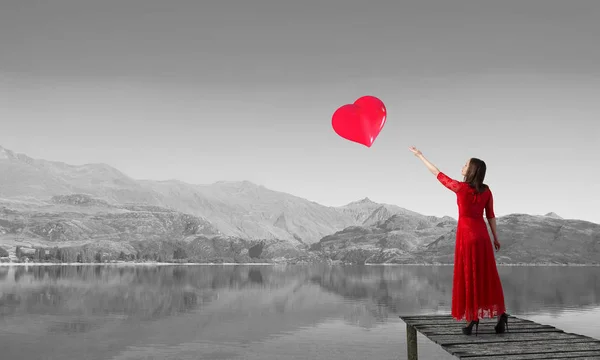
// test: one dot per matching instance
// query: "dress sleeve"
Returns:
(489, 207)
(448, 182)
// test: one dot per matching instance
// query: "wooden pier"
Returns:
(525, 339)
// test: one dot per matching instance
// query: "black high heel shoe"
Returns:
(469, 328)
(502, 324)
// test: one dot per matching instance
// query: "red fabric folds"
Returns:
(476, 288)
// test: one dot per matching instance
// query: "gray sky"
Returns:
(212, 90)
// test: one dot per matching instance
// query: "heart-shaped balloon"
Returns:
(361, 121)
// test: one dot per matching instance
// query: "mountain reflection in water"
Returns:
(258, 312)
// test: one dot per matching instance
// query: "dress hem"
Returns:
(482, 313)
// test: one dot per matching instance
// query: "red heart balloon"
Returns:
(360, 122)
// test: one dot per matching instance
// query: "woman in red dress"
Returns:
(476, 288)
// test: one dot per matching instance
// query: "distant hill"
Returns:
(95, 209)
(417, 239)
(553, 215)
(239, 209)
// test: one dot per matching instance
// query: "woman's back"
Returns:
(470, 203)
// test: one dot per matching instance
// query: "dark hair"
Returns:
(475, 175)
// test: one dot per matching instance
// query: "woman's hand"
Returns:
(415, 151)
(435, 171)
(496, 244)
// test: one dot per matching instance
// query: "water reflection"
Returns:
(411, 288)
(235, 310)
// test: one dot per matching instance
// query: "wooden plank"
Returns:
(579, 355)
(481, 326)
(511, 320)
(456, 339)
(432, 330)
(522, 348)
(510, 344)
(452, 320)
(485, 325)
(534, 344)
(406, 318)
(463, 323)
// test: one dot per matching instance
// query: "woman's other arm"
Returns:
(491, 218)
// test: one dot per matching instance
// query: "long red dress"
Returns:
(476, 288)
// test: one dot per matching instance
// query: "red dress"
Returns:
(476, 288)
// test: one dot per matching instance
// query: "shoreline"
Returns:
(9, 264)
(128, 264)
(524, 264)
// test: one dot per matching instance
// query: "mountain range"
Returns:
(98, 208)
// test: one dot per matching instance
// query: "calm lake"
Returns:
(258, 312)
